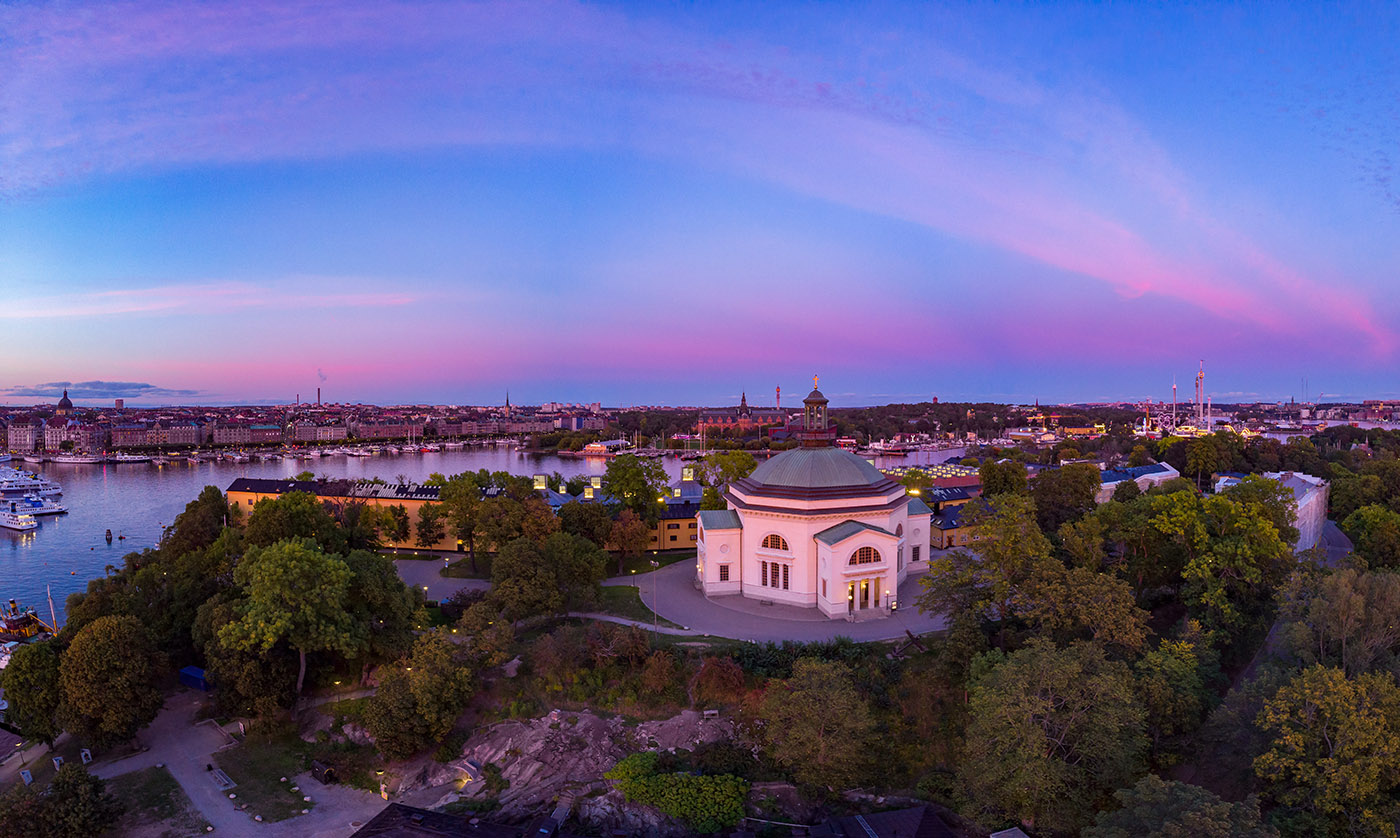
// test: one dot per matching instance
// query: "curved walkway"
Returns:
(671, 593)
(426, 575)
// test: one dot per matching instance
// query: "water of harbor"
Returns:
(136, 500)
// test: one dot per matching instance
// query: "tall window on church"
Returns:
(724, 573)
(765, 573)
(786, 568)
(775, 542)
(865, 555)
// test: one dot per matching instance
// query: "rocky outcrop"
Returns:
(565, 754)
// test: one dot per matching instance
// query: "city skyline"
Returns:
(408, 203)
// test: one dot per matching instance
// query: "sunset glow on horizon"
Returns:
(406, 202)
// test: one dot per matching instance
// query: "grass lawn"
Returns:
(623, 601)
(462, 568)
(152, 797)
(352, 709)
(642, 564)
(256, 766)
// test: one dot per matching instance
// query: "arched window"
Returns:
(775, 542)
(865, 555)
(899, 530)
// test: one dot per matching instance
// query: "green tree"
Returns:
(1070, 602)
(1139, 457)
(578, 565)
(1347, 619)
(1156, 808)
(1375, 530)
(462, 504)
(32, 687)
(398, 528)
(1172, 687)
(81, 802)
(586, 520)
(1242, 560)
(110, 675)
(418, 703)
(504, 519)
(818, 725)
(295, 593)
(1202, 458)
(383, 611)
(1269, 499)
(247, 681)
(1002, 478)
(25, 813)
(1126, 491)
(1336, 748)
(1064, 494)
(630, 534)
(75, 805)
(1052, 730)
(1351, 492)
(294, 515)
(721, 468)
(430, 525)
(635, 483)
(523, 584)
(1011, 547)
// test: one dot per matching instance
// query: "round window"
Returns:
(724, 548)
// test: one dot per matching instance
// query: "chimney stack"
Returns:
(318, 396)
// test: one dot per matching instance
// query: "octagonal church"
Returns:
(816, 527)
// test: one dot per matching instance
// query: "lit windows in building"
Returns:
(865, 555)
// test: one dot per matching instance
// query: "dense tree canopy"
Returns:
(32, 688)
(295, 593)
(1052, 731)
(1336, 749)
(110, 675)
(1154, 808)
(818, 725)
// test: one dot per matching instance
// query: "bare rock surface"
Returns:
(564, 755)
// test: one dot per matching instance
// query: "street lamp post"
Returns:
(655, 618)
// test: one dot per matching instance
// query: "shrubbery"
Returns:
(707, 803)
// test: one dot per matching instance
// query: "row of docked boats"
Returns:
(24, 496)
(84, 459)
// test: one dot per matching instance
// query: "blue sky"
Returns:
(671, 203)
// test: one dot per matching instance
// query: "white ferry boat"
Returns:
(35, 505)
(129, 458)
(13, 518)
(34, 458)
(81, 459)
(4, 457)
(14, 481)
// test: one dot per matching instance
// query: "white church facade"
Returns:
(814, 527)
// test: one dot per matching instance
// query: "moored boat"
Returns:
(78, 459)
(13, 518)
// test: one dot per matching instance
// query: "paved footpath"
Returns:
(427, 573)
(670, 592)
(186, 748)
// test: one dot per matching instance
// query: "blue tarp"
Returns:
(193, 677)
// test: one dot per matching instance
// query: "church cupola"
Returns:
(816, 432)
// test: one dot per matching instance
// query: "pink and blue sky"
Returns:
(673, 203)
